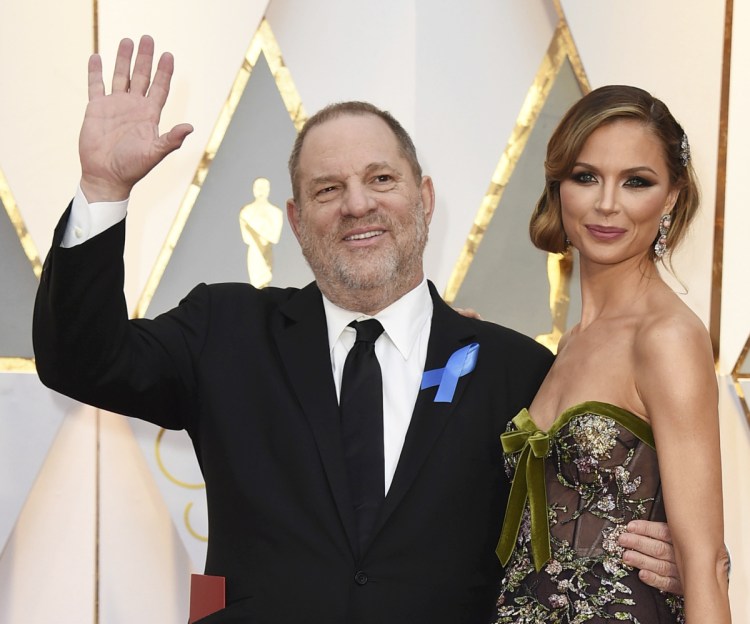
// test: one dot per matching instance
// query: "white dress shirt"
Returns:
(401, 349)
(85, 223)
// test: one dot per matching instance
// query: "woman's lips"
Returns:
(605, 232)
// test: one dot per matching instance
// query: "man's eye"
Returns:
(325, 190)
(383, 177)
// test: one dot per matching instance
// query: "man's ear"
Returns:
(427, 193)
(292, 213)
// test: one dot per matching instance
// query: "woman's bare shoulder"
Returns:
(673, 356)
(671, 329)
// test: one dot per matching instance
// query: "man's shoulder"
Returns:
(492, 336)
(241, 290)
(507, 338)
(229, 300)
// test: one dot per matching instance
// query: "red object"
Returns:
(207, 595)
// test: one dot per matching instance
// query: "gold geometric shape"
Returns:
(166, 472)
(261, 224)
(561, 47)
(263, 42)
(717, 272)
(561, 53)
(262, 95)
(18, 364)
(183, 484)
(741, 378)
(559, 272)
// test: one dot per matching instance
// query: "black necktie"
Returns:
(361, 404)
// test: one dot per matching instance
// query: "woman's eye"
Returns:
(637, 182)
(583, 177)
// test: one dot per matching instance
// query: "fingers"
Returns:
(663, 583)
(162, 79)
(121, 76)
(469, 313)
(648, 548)
(652, 547)
(96, 82)
(141, 79)
(660, 563)
(142, 68)
(656, 530)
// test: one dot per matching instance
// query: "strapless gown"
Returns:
(575, 489)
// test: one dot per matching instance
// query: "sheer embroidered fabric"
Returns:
(601, 471)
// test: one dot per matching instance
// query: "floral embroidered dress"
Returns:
(575, 489)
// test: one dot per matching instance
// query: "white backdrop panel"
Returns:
(43, 86)
(454, 73)
(736, 286)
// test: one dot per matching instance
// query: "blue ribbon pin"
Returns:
(460, 363)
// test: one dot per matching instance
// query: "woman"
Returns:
(636, 374)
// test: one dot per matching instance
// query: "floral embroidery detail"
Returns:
(676, 605)
(599, 482)
(586, 464)
(595, 435)
(611, 535)
(622, 476)
(558, 601)
(611, 565)
(553, 567)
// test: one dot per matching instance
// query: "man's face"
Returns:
(361, 217)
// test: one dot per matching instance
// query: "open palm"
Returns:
(120, 141)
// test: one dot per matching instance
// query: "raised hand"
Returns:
(120, 141)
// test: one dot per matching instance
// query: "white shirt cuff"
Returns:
(87, 220)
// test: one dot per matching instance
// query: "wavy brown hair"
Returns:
(596, 109)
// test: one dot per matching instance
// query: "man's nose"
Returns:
(358, 200)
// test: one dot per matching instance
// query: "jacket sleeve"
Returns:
(86, 347)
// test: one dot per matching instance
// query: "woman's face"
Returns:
(616, 193)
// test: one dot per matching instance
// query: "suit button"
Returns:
(360, 578)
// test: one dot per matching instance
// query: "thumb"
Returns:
(172, 140)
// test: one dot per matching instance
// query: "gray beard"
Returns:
(357, 282)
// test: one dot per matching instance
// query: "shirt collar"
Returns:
(402, 320)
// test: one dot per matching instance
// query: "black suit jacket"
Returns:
(248, 374)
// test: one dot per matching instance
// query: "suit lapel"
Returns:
(301, 336)
(449, 332)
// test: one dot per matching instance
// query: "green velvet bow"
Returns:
(528, 483)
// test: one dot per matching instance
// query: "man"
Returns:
(256, 376)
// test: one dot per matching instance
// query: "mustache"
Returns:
(348, 223)
(376, 218)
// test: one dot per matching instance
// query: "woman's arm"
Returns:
(676, 381)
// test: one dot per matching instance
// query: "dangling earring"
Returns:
(660, 248)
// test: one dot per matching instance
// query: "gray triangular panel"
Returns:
(507, 279)
(17, 289)
(256, 144)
